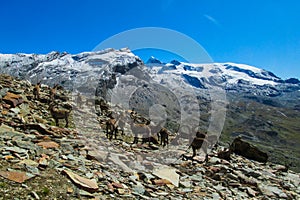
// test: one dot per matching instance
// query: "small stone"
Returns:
(121, 191)
(43, 162)
(87, 184)
(162, 193)
(186, 184)
(117, 185)
(48, 144)
(15, 176)
(161, 182)
(139, 189)
(97, 155)
(215, 195)
(269, 190)
(214, 160)
(70, 190)
(196, 177)
(86, 194)
(71, 157)
(15, 150)
(15, 110)
(232, 176)
(89, 175)
(186, 190)
(251, 192)
(216, 177)
(110, 187)
(234, 184)
(34, 195)
(254, 174)
(8, 157)
(4, 128)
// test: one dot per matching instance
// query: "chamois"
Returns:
(59, 114)
(163, 136)
(36, 90)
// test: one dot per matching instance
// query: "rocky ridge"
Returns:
(43, 161)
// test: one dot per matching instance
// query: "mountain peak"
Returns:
(153, 60)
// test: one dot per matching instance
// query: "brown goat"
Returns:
(36, 90)
(103, 105)
(53, 92)
(163, 136)
(143, 129)
(59, 114)
(211, 139)
(199, 143)
(79, 100)
(111, 128)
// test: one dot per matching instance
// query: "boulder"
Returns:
(13, 99)
(247, 150)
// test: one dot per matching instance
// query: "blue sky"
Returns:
(264, 33)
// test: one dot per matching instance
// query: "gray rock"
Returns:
(15, 150)
(26, 145)
(214, 160)
(3, 92)
(186, 184)
(139, 189)
(187, 190)
(71, 157)
(196, 177)
(294, 178)
(215, 196)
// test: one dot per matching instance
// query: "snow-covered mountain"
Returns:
(68, 69)
(109, 64)
(233, 77)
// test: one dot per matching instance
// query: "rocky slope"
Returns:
(42, 161)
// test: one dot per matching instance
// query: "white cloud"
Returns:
(213, 20)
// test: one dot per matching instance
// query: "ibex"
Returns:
(199, 142)
(79, 100)
(137, 118)
(59, 114)
(53, 92)
(36, 90)
(103, 105)
(163, 136)
(143, 129)
(212, 140)
(122, 121)
(111, 128)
